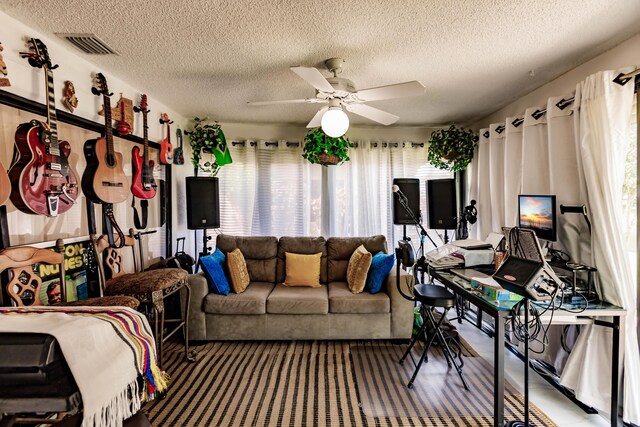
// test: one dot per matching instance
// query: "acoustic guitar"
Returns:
(42, 181)
(5, 185)
(166, 149)
(103, 180)
(143, 186)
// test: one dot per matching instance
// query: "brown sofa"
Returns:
(268, 310)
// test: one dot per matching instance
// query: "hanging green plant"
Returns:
(209, 139)
(452, 149)
(325, 150)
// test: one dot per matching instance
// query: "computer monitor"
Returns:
(538, 213)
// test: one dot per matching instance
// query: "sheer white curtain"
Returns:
(603, 134)
(483, 187)
(496, 175)
(512, 169)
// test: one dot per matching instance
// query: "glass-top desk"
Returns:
(500, 310)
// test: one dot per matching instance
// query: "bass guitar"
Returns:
(166, 149)
(143, 186)
(42, 181)
(5, 185)
(103, 180)
(178, 153)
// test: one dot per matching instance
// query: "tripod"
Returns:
(205, 249)
(421, 262)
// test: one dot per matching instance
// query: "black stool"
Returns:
(433, 296)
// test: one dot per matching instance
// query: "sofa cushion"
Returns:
(381, 265)
(252, 301)
(342, 300)
(260, 254)
(298, 300)
(213, 267)
(359, 264)
(339, 250)
(302, 270)
(238, 273)
(302, 245)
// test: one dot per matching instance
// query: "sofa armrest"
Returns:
(196, 317)
(401, 308)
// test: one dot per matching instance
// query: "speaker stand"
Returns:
(205, 249)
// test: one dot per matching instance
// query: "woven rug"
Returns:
(321, 383)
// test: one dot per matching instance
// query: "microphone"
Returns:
(399, 192)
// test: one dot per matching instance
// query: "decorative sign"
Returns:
(69, 99)
(116, 111)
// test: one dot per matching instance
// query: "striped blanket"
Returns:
(110, 352)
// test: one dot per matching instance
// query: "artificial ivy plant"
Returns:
(325, 150)
(204, 138)
(452, 149)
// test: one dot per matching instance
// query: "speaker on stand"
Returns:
(441, 205)
(203, 209)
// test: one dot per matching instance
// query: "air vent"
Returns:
(89, 43)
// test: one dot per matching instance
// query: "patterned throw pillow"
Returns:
(302, 270)
(359, 264)
(238, 271)
(381, 265)
(213, 267)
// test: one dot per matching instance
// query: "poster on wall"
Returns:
(81, 275)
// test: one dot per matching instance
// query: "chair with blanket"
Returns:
(23, 286)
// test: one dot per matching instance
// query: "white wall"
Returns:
(624, 55)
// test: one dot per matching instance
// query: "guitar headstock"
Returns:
(39, 55)
(165, 119)
(101, 87)
(143, 105)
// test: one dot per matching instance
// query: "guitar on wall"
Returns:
(42, 180)
(166, 149)
(178, 153)
(103, 180)
(143, 186)
(5, 185)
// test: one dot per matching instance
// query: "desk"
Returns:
(500, 310)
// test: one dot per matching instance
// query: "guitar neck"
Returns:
(108, 132)
(52, 118)
(145, 137)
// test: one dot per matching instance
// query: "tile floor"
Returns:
(553, 403)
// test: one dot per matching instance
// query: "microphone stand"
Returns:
(421, 263)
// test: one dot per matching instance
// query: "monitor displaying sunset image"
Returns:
(538, 213)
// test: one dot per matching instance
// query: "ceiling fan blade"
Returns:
(314, 78)
(399, 90)
(285, 101)
(371, 113)
(316, 121)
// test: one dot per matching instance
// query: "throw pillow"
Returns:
(213, 267)
(359, 264)
(381, 265)
(238, 271)
(302, 270)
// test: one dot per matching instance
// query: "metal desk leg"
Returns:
(498, 372)
(615, 370)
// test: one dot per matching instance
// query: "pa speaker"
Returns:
(203, 203)
(441, 204)
(410, 187)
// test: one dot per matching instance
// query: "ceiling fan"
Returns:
(340, 93)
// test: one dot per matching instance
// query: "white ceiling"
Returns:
(209, 58)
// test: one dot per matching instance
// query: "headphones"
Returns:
(471, 213)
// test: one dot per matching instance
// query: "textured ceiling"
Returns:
(209, 58)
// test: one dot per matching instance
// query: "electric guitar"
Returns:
(5, 185)
(143, 185)
(178, 153)
(42, 180)
(104, 180)
(166, 149)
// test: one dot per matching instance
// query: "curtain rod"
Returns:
(622, 79)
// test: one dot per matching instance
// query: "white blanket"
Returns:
(103, 364)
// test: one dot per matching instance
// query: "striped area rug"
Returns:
(319, 383)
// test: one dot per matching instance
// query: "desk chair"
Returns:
(151, 287)
(23, 286)
(429, 297)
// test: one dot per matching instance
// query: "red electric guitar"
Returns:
(143, 185)
(42, 180)
(103, 180)
(166, 149)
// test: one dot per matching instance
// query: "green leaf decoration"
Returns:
(325, 150)
(209, 139)
(452, 149)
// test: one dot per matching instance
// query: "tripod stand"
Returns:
(205, 249)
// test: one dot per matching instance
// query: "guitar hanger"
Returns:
(96, 91)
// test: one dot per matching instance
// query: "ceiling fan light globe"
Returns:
(335, 122)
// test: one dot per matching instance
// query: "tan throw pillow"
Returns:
(238, 271)
(358, 268)
(302, 270)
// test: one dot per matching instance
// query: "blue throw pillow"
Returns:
(381, 265)
(213, 267)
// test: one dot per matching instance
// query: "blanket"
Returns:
(110, 352)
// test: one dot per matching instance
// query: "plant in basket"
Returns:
(324, 150)
(452, 149)
(209, 139)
